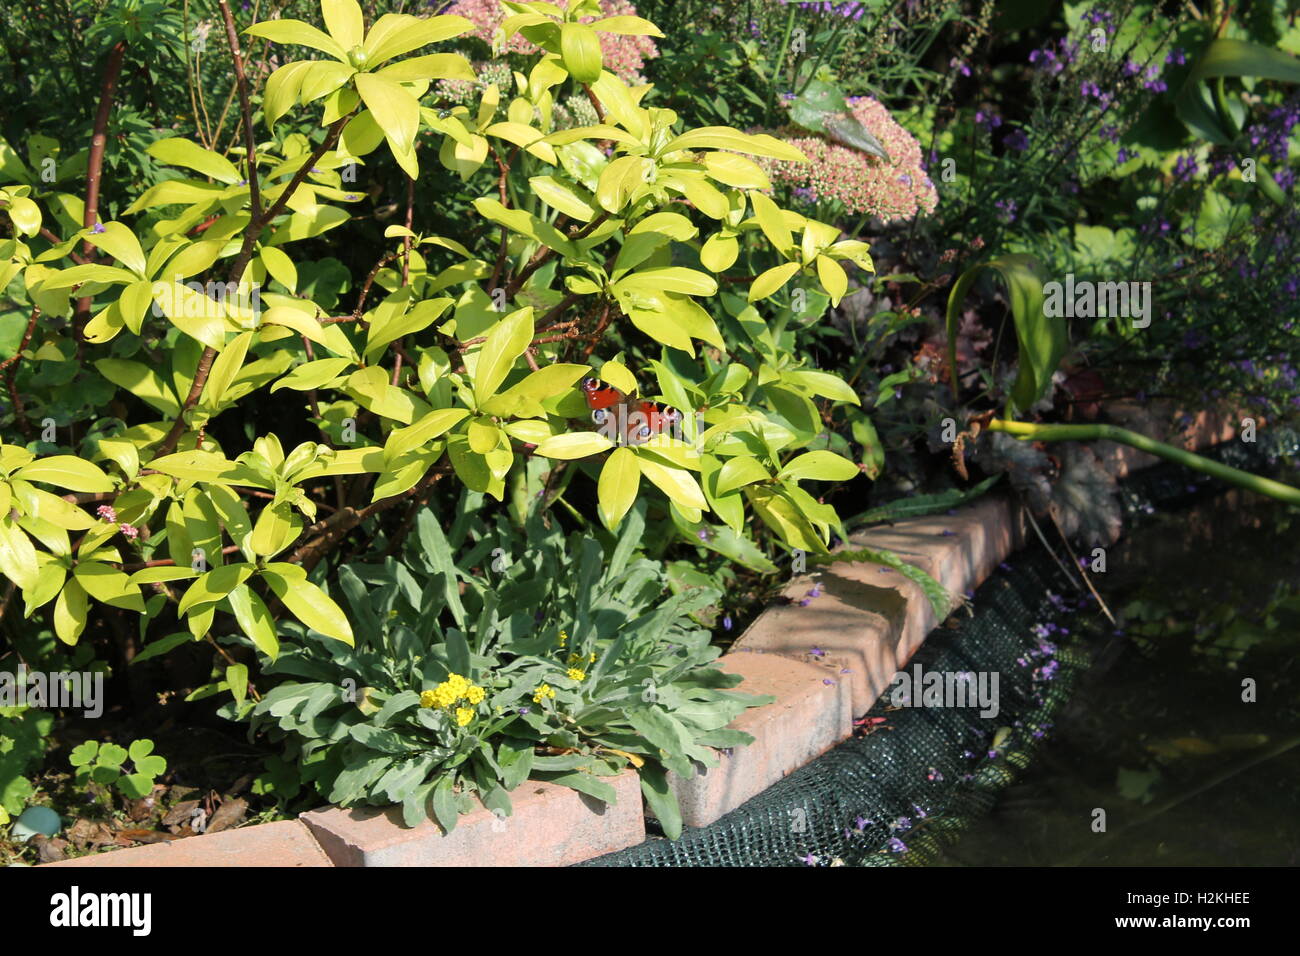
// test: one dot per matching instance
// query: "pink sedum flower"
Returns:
(893, 189)
(624, 56)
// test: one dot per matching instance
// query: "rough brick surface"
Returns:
(811, 714)
(871, 620)
(550, 826)
(283, 843)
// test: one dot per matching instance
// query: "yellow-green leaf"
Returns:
(619, 480)
(772, 280)
(574, 445)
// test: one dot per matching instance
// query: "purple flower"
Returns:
(808, 860)
(726, 622)
(98, 228)
(828, 682)
(896, 845)
(959, 66)
(1016, 139)
(523, 710)
(861, 823)
(817, 652)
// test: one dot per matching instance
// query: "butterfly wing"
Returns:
(599, 395)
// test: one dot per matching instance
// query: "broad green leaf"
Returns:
(740, 471)
(311, 375)
(344, 22)
(574, 445)
(619, 480)
(107, 584)
(214, 585)
(1226, 57)
(402, 440)
(308, 603)
(677, 483)
(772, 280)
(819, 465)
(224, 369)
(724, 137)
(772, 223)
(70, 613)
(505, 343)
(178, 151)
(396, 111)
(395, 34)
(1042, 338)
(65, 471)
(254, 619)
(120, 243)
(299, 33)
(824, 384)
(563, 197)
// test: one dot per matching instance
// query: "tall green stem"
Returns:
(780, 60)
(1235, 476)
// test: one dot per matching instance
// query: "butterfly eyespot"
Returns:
(589, 383)
(599, 416)
(643, 431)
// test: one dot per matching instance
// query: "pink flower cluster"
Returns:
(897, 188)
(624, 55)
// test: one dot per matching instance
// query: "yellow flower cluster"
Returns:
(541, 692)
(575, 674)
(451, 690)
(564, 638)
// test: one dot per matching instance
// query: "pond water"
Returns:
(1157, 734)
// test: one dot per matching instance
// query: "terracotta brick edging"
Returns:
(824, 662)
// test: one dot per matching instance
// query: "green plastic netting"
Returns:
(899, 796)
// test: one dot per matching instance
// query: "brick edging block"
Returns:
(281, 843)
(550, 826)
(811, 714)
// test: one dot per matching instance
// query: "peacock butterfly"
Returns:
(636, 421)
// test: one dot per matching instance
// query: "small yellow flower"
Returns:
(574, 658)
(592, 658)
(575, 674)
(463, 716)
(541, 692)
(428, 698)
(475, 695)
(564, 638)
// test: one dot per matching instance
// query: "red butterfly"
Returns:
(637, 420)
